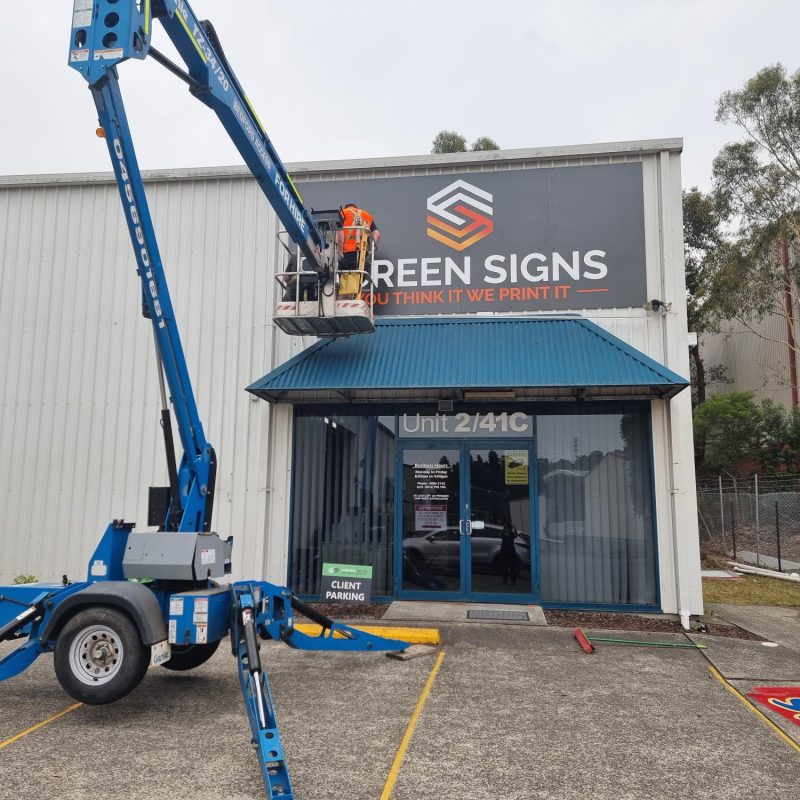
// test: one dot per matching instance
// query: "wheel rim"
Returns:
(96, 654)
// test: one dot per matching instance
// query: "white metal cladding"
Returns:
(754, 362)
(80, 402)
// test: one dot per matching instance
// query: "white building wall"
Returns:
(756, 359)
(80, 399)
(79, 403)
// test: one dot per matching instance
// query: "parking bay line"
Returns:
(401, 751)
(757, 711)
(39, 725)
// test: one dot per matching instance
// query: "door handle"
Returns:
(466, 527)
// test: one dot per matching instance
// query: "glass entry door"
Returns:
(432, 519)
(466, 521)
(500, 529)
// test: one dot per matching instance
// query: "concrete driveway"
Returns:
(515, 712)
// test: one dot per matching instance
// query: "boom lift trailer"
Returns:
(152, 597)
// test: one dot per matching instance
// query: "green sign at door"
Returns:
(346, 583)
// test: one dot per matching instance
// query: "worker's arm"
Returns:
(376, 236)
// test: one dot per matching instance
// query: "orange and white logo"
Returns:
(455, 218)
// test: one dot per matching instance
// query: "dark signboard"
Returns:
(519, 240)
(346, 583)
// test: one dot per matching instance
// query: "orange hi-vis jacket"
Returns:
(355, 218)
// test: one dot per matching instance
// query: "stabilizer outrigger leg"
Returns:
(25, 623)
(258, 698)
(263, 610)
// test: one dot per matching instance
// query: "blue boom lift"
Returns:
(153, 597)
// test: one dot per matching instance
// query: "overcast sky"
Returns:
(369, 78)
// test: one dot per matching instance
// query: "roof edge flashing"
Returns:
(301, 169)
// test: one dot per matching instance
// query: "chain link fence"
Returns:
(753, 520)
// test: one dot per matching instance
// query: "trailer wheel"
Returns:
(186, 657)
(99, 656)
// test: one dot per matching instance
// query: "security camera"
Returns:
(658, 306)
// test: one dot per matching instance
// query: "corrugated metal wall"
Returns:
(79, 430)
(754, 362)
(79, 399)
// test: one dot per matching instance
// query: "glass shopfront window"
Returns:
(596, 534)
(549, 503)
(343, 498)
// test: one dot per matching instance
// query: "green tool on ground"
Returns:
(647, 644)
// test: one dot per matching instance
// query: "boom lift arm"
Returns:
(108, 32)
(107, 630)
(104, 34)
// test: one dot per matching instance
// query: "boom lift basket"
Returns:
(337, 303)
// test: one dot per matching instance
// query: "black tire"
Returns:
(99, 656)
(185, 657)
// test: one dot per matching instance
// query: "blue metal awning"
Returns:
(475, 358)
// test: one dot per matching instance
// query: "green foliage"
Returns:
(449, 142)
(484, 143)
(747, 281)
(735, 435)
(757, 197)
(757, 187)
(702, 235)
(18, 579)
(758, 180)
(780, 438)
(452, 142)
(728, 426)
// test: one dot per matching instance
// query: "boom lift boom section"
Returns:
(105, 631)
(106, 33)
(118, 30)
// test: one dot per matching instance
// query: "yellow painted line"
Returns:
(401, 752)
(147, 17)
(410, 635)
(760, 714)
(39, 725)
(189, 34)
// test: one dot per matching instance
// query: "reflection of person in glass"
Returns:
(509, 564)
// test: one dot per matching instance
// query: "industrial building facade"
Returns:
(516, 429)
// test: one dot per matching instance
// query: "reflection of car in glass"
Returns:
(440, 549)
